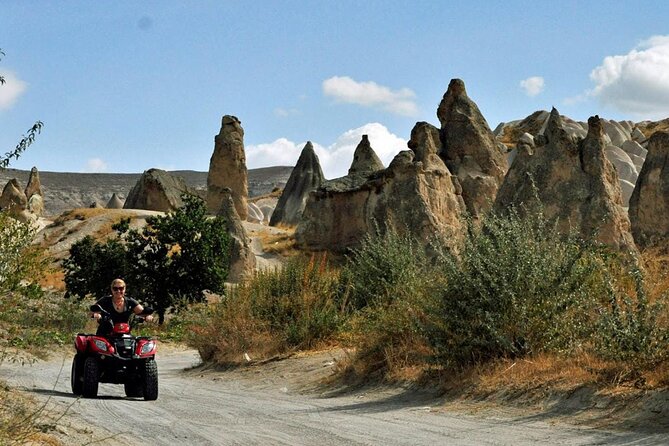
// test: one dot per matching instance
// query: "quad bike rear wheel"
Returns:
(77, 374)
(91, 377)
(150, 376)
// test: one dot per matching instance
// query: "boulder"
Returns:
(227, 168)
(34, 185)
(575, 183)
(305, 177)
(469, 148)
(242, 259)
(12, 198)
(157, 190)
(115, 202)
(415, 194)
(649, 204)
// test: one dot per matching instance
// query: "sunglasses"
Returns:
(118, 288)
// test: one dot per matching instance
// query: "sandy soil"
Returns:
(282, 403)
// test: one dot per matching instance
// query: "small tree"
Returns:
(169, 262)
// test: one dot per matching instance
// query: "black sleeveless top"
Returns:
(107, 304)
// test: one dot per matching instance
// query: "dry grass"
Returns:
(23, 421)
(276, 193)
(651, 127)
(79, 214)
(282, 243)
(53, 280)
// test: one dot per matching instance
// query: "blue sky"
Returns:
(125, 86)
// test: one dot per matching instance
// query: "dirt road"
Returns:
(266, 405)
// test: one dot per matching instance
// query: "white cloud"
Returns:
(286, 112)
(96, 165)
(533, 85)
(371, 94)
(637, 82)
(11, 89)
(336, 158)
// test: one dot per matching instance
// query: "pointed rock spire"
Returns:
(469, 148)
(305, 177)
(34, 185)
(365, 160)
(13, 198)
(227, 167)
(157, 190)
(114, 202)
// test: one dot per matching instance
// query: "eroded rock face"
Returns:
(305, 177)
(34, 185)
(157, 190)
(470, 149)
(365, 159)
(227, 168)
(649, 204)
(242, 259)
(416, 193)
(574, 181)
(14, 201)
(115, 202)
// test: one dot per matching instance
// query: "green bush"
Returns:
(518, 287)
(21, 263)
(169, 262)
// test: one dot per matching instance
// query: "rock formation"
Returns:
(469, 148)
(227, 167)
(254, 213)
(157, 190)
(416, 193)
(242, 259)
(575, 183)
(649, 204)
(34, 185)
(365, 159)
(305, 177)
(14, 202)
(12, 197)
(114, 202)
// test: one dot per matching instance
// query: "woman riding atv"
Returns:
(119, 308)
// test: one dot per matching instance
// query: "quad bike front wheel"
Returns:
(77, 374)
(150, 376)
(134, 389)
(91, 377)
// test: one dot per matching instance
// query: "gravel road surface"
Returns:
(264, 405)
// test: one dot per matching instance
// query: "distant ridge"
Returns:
(67, 190)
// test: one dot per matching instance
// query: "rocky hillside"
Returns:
(66, 190)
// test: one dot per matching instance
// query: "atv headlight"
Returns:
(101, 345)
(146, 348)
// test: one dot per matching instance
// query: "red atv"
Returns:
(119, 358)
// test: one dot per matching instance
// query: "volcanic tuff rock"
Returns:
(416, 193)
(242, 259)
(34, 185)
(227, 167)
(14, 201)
(305, 177)
(575, 183)
(469, 148)
(365, 160)
(649, 205)
(157, 190)
(114, 202)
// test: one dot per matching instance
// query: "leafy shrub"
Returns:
(518, 287)
(170, 261)
(21, 263)
(296, 306)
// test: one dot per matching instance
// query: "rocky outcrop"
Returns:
(416, 194)
(575, 183)
(12, 197)
(157, 190)
(242, 259)
(114, 202)
(305, 177)
(227, 168)
(470, 149)
(14, 202)
(34, 185)
(255, 215)
(365, 159)
(649, 204)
